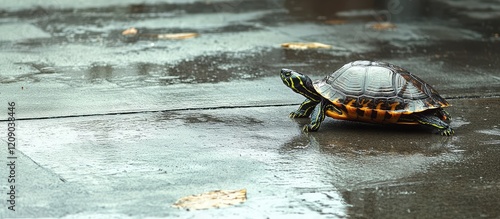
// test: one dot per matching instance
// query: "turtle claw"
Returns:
(297, 114)
(309, 128)
(447, 132)
(305, 129)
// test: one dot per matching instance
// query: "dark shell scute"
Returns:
(378, 82)
(379, 85)
(410, 87)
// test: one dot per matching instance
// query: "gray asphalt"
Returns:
(115, 127)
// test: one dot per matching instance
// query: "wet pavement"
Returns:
(110, 126)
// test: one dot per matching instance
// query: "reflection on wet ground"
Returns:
(428, 39)
(348, 141)
(210, 112)
(450, 60)
(65, 27)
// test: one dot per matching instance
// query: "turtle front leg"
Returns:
(443, 115)
(305, 109)
(317, 116)
(434, 121)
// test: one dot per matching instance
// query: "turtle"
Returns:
(369, 91)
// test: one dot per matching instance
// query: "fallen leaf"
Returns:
(47, 70)
(382, 26)
(130, 31)
(177, 36)
(336, 21)
(307, 45)
(133, 32)
(212, 199)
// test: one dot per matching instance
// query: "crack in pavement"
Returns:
(213, 108)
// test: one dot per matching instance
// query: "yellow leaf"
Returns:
(212, 199)
(130, 31)
(305, 45)
(382, 26)
(177, 36)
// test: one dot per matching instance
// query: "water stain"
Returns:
(99, 71)
(198, 117)
(494, 132)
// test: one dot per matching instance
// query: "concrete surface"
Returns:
(109, 127)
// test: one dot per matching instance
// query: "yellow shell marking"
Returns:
(350, 113)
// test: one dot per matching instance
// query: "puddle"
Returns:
(71, 60)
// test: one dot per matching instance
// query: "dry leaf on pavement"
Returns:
(173, 36)
(382, 26)
(305, 45)
(130, 31)
(177, 36)
(212, 199)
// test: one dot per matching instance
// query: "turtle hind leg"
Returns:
(305, 109)
(434, 121)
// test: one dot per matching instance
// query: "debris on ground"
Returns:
(212, 199)
(177, 36)
(131, 32)
(382, 26)
(305, 45)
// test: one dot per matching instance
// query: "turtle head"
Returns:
(299, 83)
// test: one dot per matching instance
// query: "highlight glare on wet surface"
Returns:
(116, 126)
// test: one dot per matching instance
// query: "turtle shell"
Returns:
(379, 86)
